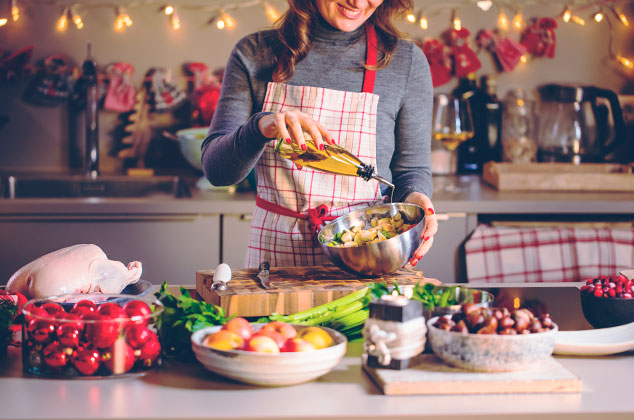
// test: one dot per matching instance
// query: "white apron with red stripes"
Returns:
(351, 118)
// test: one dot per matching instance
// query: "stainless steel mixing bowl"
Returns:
(379, 258)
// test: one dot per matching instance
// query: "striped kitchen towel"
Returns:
(519, 254)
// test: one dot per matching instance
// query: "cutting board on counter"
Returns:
(558, 176)
(431, 376)
(293, 289)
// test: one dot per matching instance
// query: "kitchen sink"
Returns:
(108, 186)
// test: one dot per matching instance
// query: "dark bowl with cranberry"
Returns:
(100, 335)
(607, 301)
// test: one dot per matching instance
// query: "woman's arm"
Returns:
(235, 143)
(411, 162)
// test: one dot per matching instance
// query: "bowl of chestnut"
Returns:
(492, 339)
(608, 301)
(98, 336)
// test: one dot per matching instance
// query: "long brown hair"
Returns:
(296, 25)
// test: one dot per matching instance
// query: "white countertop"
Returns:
(188, 391)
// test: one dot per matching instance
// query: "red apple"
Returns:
(262, 344)
(277, 337)
(287, 330)
(297, 344)
(239, 326)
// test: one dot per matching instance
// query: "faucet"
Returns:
(89, 74)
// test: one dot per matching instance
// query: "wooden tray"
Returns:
(293, 289)
(559, 176)
(431, 376)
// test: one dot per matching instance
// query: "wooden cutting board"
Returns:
(559, 176)
(293, 289)
(431, 376)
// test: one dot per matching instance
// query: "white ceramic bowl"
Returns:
(269, 369)
(490, 352)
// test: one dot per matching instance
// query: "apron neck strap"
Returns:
(368, 80)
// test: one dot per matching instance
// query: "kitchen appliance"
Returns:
(581, 124)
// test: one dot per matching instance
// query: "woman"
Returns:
(338, 70)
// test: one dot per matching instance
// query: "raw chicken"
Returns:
(82, 268)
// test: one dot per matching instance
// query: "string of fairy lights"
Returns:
(510, 14)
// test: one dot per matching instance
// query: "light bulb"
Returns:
(175, 21)
(576, 19)
(62, 22)
(79, 24)
(122, 20)
(518, 21)
(220, 24)
(411, 17)
(15, 10)
(228, 20)
(626, 62)
(598, 16)
(484, 5)
(567, 14)
(424, 24)
(169, 9)
(503, 21)
(621, 17)
(3, 21)
(271, 12)
(524, 59)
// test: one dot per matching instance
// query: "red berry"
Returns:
(40, 330)
(138, 311)
(86, 360)
(118, 358)
(101, 331)
(54, 355)
(612, 293)
(622, 278)
(598, 292)
(112, 310)
(627, 296)
(137, 335)
(591, 289)
(68, 335)
(150, 351)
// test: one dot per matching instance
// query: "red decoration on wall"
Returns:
(506, 51)
(439, 61)
(539, 38)
(121, 94)
(465, 60)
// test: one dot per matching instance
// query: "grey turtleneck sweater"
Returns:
(403, 132)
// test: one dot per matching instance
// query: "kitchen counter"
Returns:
(468, 194)
(188, 391)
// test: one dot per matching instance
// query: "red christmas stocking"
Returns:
(121, 95)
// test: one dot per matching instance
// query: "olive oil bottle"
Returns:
(333, 159)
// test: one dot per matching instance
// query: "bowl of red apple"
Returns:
(90, 336)
(272, 354)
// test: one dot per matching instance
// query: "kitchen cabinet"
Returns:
(235, 238)
(171, 247)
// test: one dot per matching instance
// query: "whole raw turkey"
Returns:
(82, 268)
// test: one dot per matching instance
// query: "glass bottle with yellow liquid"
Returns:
(333, 159)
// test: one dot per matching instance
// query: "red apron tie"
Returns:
(316, 217)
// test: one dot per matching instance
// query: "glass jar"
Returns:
(519, 128)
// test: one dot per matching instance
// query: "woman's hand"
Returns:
(290, 125)
(431, 225)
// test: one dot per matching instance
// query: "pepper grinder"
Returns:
(395, 332)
